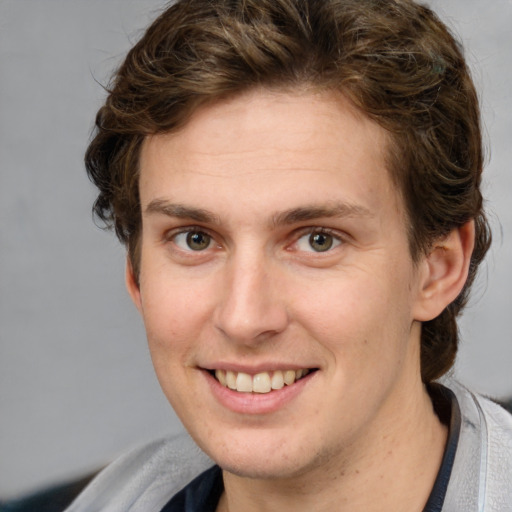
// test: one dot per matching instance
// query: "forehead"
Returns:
(265, 143)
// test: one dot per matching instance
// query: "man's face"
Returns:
(274, 244)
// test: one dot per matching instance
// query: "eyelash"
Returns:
(189, 231)
(298, 235)
(337, 239)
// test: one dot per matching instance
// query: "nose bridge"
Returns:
(251, 308)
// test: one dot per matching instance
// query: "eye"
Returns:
(193, 240)
(318, 241)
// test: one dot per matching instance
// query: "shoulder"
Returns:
(482, 471)
(145, 478)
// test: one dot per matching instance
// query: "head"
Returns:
(394, 61)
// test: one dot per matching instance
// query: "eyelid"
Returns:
(171, 234)
(299, 233)
(310, 230)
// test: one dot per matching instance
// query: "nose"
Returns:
(251, 308)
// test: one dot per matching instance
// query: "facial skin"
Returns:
(254, 177)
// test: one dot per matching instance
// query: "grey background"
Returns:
(76, 382)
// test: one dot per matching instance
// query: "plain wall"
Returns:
(76, 382)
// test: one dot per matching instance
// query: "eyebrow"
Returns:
(287, 217)
(307, 213)
(179, 211)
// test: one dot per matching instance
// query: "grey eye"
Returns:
(198, 241)
(320, 242)
(193, 240)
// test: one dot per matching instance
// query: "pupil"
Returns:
(198, 241)
(320, 242)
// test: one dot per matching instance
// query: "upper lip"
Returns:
(258, 368)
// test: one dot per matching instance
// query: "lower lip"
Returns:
(256, 403)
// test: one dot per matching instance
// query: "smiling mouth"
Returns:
(263, 382)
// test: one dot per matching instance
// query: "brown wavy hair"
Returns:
(394, 59)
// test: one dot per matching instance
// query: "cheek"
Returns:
(173, 312)
(172, 318)
(358, 317)
(340, 304)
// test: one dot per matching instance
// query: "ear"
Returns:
(132, 284)
(444, 272)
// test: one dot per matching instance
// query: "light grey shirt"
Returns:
(146, 478)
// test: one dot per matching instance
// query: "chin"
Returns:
(264, 470)
(264, 460)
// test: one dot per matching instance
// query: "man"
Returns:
(297, 184)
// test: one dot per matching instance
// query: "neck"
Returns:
(393, 468)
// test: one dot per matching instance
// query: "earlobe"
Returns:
(445, 270)
(132, 284)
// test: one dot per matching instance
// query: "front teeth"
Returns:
(263, 382)
(243, 383)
